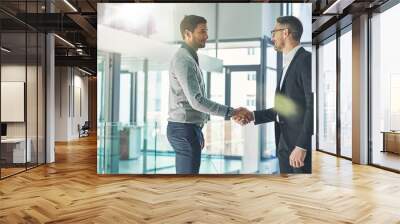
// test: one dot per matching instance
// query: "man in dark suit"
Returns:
(293, 107)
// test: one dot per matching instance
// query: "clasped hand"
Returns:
(243, 116)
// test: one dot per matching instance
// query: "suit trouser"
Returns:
(187, 141)
(283, 156)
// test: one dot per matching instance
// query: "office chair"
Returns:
(84, 130)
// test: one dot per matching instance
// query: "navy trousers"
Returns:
(187, 140)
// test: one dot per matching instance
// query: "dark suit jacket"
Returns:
(293, 104)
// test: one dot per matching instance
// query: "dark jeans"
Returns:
(187, 141)
(283, 157)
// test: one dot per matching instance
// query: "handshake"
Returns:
(242, 116)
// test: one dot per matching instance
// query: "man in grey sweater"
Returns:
(189, 108)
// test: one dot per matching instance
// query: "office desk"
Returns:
(391, 142)
(13, 150)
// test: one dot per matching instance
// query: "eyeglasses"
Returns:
(273, 31)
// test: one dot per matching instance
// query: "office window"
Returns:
(243, 83)
(385, 88)
(158, 105)
(271, 76)
(304, 13)
(394, 102)
(241, 87)
(100, 88)
(158, 85)
(217, 90)
(243, 93)
(157, 109)
(327, 96)
(346, 94)
(271, 79)
(251, 51)
(140, 97)
(240, 53)
(251, 76)
(209, 50)
(125, 95)
(251, 101)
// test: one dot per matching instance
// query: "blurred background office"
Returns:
(240, 67)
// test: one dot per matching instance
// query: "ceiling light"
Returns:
(65, 41)
(331, 7)
(5, 50)
(337, 7)
(70, 5)
(86, 72)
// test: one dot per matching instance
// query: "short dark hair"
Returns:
(294, 25)
(190, 23)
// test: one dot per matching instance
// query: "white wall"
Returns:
(12, 73)
(240, 20)
(68, 82)
(81, 83)
(61, 103)
(205, 10)
(270, 12)
(33, 126)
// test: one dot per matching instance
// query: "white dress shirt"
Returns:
(287, 59)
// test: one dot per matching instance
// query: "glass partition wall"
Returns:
(327, 79)
(335, 112)
(385, 90)
(345, 110)
(334, 94)
(22, 93)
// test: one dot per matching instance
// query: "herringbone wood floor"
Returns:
(70, 191)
